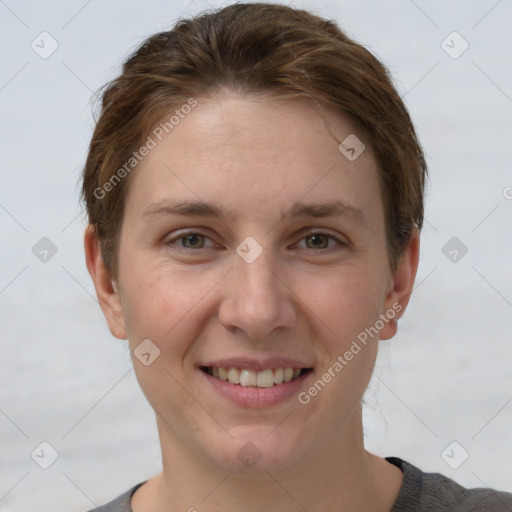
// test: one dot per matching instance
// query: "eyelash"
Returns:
(181, 236)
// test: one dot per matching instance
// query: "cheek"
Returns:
(343, 301)
(344, 307)
(160, 307)
(163, 305)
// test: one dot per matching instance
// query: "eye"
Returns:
(190, 240)
(320, 241)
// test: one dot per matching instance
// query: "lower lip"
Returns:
(253, 397)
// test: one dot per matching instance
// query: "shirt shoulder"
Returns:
(428, 492)
(120, 504)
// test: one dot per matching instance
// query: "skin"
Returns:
(198, 300)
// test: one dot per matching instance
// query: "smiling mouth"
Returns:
(249, 378)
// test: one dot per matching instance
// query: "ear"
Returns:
(108, 297)
(401, 284)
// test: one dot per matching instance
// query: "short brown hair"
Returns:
(252, 49)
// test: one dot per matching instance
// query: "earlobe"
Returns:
(402, 281)
(106, 289)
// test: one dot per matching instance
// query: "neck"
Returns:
(336, 475)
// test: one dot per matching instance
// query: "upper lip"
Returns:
(256, 365)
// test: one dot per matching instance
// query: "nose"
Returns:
(257, 299)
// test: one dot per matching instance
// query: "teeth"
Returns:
(234, 376)
(264, 379)
(247, 377)
(288, 374)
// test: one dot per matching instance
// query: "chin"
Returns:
(259, 450)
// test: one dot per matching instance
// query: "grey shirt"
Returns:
(420, 492)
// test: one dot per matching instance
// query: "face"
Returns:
(252, 246)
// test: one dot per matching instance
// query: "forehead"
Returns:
(257, 156)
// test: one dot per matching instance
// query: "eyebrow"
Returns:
(193, 208)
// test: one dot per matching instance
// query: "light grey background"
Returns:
(445, 377)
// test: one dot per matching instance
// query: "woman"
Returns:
(254, 188)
